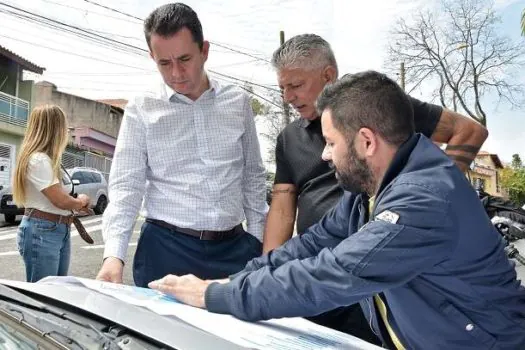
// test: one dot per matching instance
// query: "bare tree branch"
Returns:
(461, 53)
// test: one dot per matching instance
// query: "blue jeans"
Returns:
(161, 251)
(45, 247)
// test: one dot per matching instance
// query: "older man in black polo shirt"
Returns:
(305, 185)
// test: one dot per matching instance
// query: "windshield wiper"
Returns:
(52, 327)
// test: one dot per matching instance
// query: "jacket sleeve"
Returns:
(381, 255)
(329, 232)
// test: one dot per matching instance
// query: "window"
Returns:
(479, 183)
(79, 175)
(97, 177)
(89, 177)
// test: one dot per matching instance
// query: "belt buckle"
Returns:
(201, 234)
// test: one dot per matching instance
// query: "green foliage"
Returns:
(513, 180)
(258, 107)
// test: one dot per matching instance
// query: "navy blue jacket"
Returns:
(429, 247)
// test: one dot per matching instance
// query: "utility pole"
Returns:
(286, 106)
(402, 74)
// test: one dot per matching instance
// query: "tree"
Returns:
(516, 162)
(459, 51)
(258, 107)
(274, 122)
(513, 180)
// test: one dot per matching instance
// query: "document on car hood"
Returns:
(284, 334)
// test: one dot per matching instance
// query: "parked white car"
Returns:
(91, 182)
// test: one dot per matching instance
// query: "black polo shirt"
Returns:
(298, 160)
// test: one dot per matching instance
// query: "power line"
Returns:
(250, 91)
(103, 74)
(98, 37)
(17, 31)
(71, 26)
(242, 80)
(212, 42)
(93, 12)
(113, 10)
(73, 54)
(240, 52)
(261, 97)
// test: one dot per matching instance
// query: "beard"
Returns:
(355, 174)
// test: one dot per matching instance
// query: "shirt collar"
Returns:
(171, 94)
(304, 123)
(399, 161)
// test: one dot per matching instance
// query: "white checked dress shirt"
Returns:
(196, 163)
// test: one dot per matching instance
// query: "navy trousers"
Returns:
(161, 251)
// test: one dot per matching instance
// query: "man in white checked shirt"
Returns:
(191, 150)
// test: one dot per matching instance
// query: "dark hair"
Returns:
(169, 19)
(369, 100)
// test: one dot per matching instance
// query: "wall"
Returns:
(94, 144)
(486, 170)
(80, 111)
(25, 92)
(11, 139)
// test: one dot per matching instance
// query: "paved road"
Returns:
(85, 258)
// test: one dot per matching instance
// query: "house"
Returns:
(16, 102)
(94, 126)
(82, 112)
(485, 173)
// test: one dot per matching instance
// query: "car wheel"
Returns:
(102, 203)
(10, 218)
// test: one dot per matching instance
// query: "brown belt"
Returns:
(60, 219)
(38, 214)
(205, 235)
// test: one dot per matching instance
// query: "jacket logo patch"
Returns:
(388, 216)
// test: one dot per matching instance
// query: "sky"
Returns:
(243, 35)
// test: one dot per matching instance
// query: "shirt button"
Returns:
(469, 327)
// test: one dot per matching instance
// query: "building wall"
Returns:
(10, 139)
(486, 171)
(94, 144)
(80, 111)
(25, 92)
(7, 165)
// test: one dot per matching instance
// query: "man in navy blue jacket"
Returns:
(420, 255)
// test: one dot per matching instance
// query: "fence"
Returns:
(13, 110)
(71, 159)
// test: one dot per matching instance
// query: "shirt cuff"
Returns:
(256, 230)
(217, 298)
(115, 248)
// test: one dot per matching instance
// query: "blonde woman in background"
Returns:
(44, 234)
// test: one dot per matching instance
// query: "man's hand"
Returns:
(187, 289)
(111, 270)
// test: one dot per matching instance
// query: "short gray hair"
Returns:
(307, 51)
